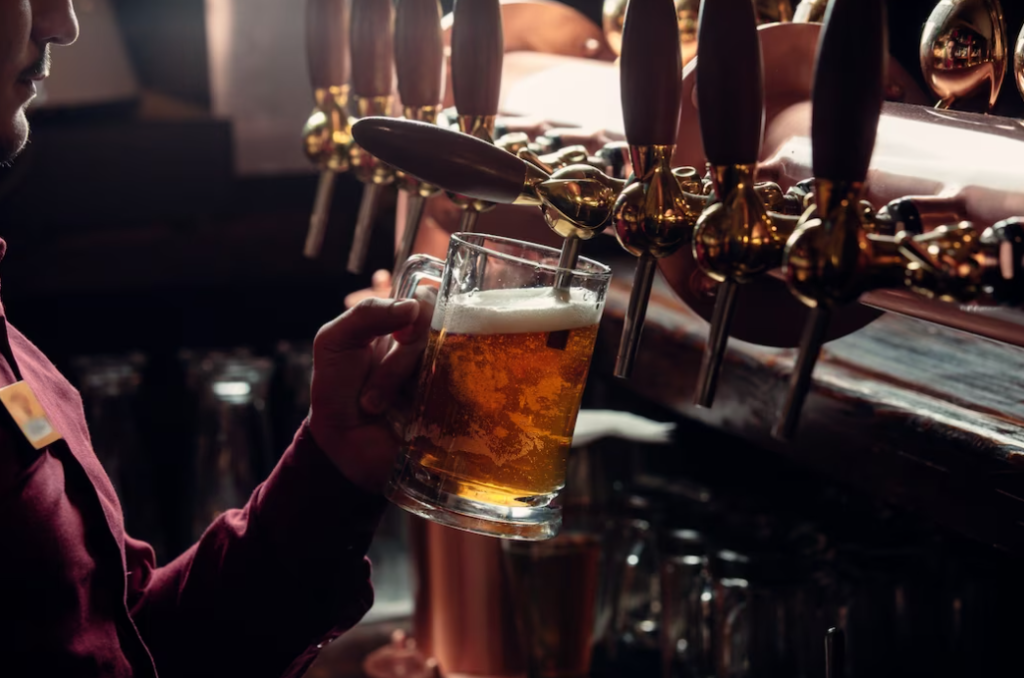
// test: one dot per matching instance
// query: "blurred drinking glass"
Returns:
(233, 449)
(554, 592)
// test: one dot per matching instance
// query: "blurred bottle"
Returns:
(635, 576)
(110, 396)
(555, 594)
(685, 635)
(233, 445)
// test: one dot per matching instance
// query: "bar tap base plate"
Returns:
(420, 491)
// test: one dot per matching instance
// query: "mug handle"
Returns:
(415, 270)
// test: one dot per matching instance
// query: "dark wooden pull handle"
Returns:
(372, 47)
(478, 49)
(327, 46)
(730, 82)
(419, 52)
(849, 87)
(451, 160)
(651, 73)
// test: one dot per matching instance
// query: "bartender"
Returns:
(267, 585)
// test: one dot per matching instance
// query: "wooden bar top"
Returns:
(924, 416)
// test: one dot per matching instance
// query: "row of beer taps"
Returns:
(825, 240)
(355, 46)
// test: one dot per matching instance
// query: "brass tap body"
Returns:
(831, 259)
(653, 215)
(327, 135)
(961, 264)
(735, 238)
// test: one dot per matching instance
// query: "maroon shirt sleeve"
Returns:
(266, 584)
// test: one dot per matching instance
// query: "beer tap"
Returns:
(735, 240)
(576, 199)
(419, 61)
(327, 135)
(477, 54)
(653, 216)
(372, 66)
(456, 162)
(829, 259)
(963, 50)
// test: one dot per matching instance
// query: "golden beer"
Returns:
(499, 392)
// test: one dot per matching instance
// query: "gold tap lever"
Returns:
(576, 200)
(653, 217)
(964, 51)
(372, 66)
(456, 162)
(478, 51)
(735, 239)
(327, 137)
(419, 60)
(828, 258)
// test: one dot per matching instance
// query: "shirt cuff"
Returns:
(308, 506)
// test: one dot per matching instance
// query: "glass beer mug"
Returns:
(510, 346)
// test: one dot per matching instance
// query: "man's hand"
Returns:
(355, 383)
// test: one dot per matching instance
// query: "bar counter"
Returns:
(927, 417)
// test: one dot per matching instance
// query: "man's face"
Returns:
(27, 28)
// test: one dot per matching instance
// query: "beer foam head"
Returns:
(517, 311)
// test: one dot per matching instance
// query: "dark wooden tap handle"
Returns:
(448, 159)
(651, 73)
(372, 47)
(419, 52)
(478, 49)
(730, 82)
(327, 49)
(849, 87)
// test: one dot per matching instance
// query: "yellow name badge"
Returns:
(28, 414)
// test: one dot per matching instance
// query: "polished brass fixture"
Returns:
(964, 50)
(372, 66)
(477, 54)
(735, 239)
(327, 135)
(614, 16)
(829, 260)
(419, 60)
(964, 264)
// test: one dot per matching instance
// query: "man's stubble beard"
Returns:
(13, 144)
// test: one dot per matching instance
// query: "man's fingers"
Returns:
(427, 296)
(396, 370)
(363, 323)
